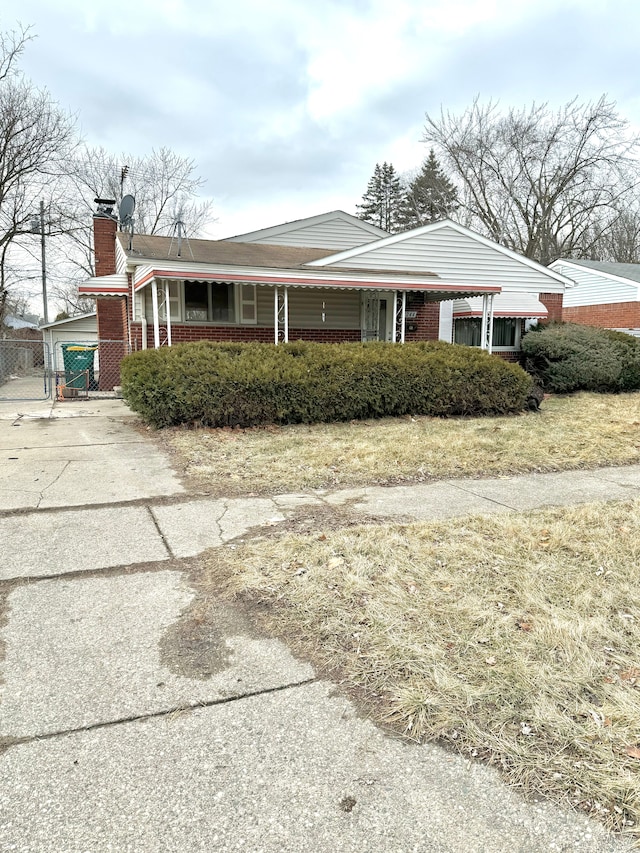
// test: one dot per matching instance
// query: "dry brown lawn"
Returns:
(582, 431)
(514, 638)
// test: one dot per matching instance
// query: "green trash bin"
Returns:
(78, 358)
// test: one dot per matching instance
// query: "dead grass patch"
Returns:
(514, 638)
(582, 431)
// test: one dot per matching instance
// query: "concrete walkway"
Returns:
(129, 724)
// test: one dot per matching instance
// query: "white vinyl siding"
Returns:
(329, 235)
(593, 288)
(456, 258)
(341, 309)
(335, 230)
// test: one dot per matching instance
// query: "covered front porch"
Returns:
(168, 309)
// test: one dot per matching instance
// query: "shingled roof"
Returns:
(257, 255)
(155, 248)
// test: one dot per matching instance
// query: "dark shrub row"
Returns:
(566, 357)
(249, 384)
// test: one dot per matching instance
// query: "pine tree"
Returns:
(382, 201)
(429, 197)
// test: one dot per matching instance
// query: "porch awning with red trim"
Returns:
(432, 284)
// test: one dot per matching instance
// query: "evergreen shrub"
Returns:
(212, 384)
(567, 357)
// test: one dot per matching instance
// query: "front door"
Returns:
(377, 316)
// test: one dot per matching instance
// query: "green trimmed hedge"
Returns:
(213, 384)
(567, 357)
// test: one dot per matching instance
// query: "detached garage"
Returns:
(82, 329)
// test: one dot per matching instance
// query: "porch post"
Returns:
(167, 307)
(281, 314)
(485, 317)
(490, 325)
(156, 320)
(286, 314)
(403, 315)
(275, 314)
(394, 336)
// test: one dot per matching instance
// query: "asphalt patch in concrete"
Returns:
(195, 646)
(86, 651)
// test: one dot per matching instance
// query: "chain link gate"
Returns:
(25, 370)
(83, 368)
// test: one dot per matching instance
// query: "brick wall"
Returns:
(553, 303)
(613, 315)
(104, 243)
(183, 334)
(427, 319)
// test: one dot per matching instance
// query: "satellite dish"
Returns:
(125, 211)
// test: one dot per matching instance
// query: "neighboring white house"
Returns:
(603, 294)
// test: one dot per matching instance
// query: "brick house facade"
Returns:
(601, 294)
(271, 286)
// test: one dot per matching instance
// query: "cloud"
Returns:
(298, 101)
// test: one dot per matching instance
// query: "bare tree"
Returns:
(546, 184)
(164, 185)
(36, 139)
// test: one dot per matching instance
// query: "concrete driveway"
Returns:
(127, 724)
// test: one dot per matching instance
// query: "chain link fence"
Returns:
(25, 370)
(74, 369)
(87, 368)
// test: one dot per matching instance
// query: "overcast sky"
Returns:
(287, 105)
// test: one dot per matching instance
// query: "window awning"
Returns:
(505, 304)
(105, 285)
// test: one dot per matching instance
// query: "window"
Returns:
(506, 332)
(175, 301)
(467, 331)
(196, 301)
(204, 302)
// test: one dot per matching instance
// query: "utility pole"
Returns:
(44, 265)
(37, 227)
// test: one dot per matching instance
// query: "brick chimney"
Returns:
(111, 311)
(105, 225)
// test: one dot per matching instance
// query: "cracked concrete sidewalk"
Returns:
(131, 724)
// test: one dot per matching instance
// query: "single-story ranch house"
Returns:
(326, 278)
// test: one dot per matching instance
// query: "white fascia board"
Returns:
(428, 229)
(285, 227)
(608, 275)
(68, 320)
